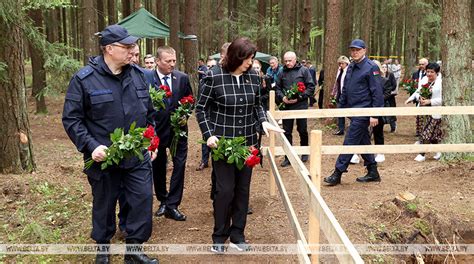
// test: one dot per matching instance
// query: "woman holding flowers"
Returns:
(429, 94)
(230, 107)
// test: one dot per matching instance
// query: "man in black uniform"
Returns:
(362, 88)
(107, 94)
(293, 72)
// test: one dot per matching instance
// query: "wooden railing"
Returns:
(320, 216)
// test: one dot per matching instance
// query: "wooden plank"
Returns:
(316, 141)
(330, 226)
(298, 232)
(271, 180)
(382, 149)
(375, 111)
(302, 253)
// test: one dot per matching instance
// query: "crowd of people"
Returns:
(111, 92)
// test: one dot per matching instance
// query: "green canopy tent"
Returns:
(143, 24)
(262, 57)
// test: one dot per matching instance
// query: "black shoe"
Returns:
(175, 214)
(249, 211)
(139, 258)
(339, 133)
(304, 158)
(372, 174)
(218, 248)
(240, 246)
(202, 166)
(285, 163)
(102, 259)
(334, 179)
(161, 210)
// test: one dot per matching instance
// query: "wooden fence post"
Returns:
(315, 172)
(271, 109)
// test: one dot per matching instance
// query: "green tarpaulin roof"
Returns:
(145, 25)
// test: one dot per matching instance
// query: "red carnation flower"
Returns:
(154, 143)
(168, 94)
(252, 160)
(149, 132)
(253, 150)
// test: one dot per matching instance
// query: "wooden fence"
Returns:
(320, 216)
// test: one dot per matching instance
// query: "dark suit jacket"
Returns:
(181, 87)
(416, 75)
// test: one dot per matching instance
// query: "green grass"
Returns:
(48, 213)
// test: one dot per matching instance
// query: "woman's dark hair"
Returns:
(239, 50)
(433, 66)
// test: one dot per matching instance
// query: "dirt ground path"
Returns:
(442, 190)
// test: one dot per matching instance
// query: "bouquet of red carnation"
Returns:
(234, 151)
(295, 91)
(127, 145)
(158, 95)
(410, 85)
(179, 119)
(426, 91)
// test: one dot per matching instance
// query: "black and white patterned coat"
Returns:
(226, 108)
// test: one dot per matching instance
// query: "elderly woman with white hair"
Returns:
(343, 62)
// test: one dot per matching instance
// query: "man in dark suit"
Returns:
(421, 72)
(165, 74)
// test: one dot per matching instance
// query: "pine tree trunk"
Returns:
(331, 47)
(37, 65)
(160, 14)
(285, 26)
(232, 14)
(262, 38)
(347, 22)
(456, 71)
(367, 24)
(16, 149)
(89, 28)
(64, 21)
(111, 12)
(318, 42)
(306, 28)
(400, 30)
(126, 8)
(190, 46)
(220, 30)
(137, 5)
(174, 29)
(411, 36)
(100, 15)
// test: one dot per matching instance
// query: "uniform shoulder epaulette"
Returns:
(84, 72)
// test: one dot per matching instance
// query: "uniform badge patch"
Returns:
(376, 73)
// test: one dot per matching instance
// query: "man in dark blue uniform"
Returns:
(107, 94)
(362, 88)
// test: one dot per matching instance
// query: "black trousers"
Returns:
(377, 131)
(320, 98)
(301, 127)
(135, 183)
(172, 198)
(231, 201)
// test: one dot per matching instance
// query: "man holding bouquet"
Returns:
(180, 87)
(289, 90)
(109, 94)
